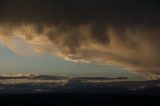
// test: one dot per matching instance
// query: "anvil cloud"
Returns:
(123, 33)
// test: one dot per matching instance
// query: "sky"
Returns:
(80, 38)
(46, 64)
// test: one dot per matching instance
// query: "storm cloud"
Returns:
(124, 33)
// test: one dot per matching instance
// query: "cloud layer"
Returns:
(54, 79)
(115, 32)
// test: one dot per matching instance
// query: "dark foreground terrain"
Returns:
(78, 92)
(80, 99)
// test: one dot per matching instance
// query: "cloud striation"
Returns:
(124, 33)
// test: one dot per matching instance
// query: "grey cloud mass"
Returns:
(124, 33)
(55, 77)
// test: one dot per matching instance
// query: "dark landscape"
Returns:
(79, 91)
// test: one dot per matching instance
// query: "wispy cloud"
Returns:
(58, 79)
(127, 35)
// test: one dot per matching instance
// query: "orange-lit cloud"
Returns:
(124, 36)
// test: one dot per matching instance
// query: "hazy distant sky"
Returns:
(75, 37)
(10, 63)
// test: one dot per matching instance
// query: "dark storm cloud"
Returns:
(124, 33)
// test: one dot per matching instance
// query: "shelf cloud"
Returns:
(112, 32)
